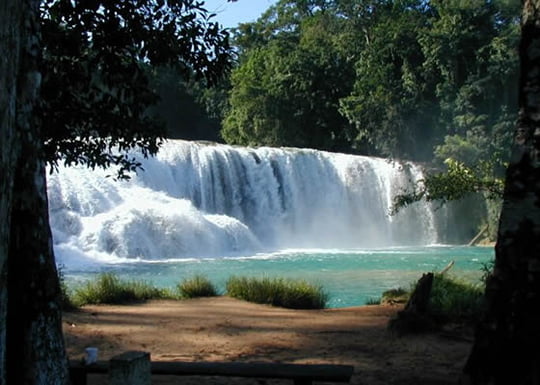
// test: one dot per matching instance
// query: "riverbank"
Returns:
(225, 329)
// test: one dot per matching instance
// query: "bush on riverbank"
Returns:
(395, 296)
(198, 286)
(109, 289)
(288, 293)
(438, 299)
(390, 297)
(450, 299)
(453, 300)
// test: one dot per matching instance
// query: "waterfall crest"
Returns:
(208, 200)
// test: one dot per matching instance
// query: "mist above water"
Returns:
(206, 200)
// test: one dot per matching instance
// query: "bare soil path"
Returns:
(225, 329)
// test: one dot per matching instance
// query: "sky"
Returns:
(241, 11)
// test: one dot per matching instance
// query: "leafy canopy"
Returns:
(294, 67)
(453, 184)
(398, 78)
(97, 59)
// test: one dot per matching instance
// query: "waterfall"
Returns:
(207, 200)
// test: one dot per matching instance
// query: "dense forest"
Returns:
(428, 81)
(412, 79)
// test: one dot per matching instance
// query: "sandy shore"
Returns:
(224, 329)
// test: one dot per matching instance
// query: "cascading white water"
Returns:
(196, 199)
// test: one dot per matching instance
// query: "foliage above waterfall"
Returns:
(287, 91)
(455, 183)
(386, 77)
(415, 79)
(97, 55)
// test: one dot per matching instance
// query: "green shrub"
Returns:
(487, 270)
(450, 300)
(393, 296)
(373, 301)
(109, 289)
(453, 300)
(198, 286)
(288, 293)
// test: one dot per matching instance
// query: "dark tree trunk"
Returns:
(506, 344)
(36, 353)
(10, 42)
(33, 349)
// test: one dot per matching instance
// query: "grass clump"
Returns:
(453, 300)
(288, 293)
(373, 301)
(109, 289)
(198, 286)
(448, 300)
(394, 296)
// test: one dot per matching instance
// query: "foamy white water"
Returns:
(204, 200)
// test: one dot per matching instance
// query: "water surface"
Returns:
(350, 277)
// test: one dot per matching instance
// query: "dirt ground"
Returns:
(225, 329)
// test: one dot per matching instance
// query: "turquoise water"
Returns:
(350, 277)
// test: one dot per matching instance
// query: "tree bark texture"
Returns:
(36, 352)
(34, 348)
(506, 343)
(10, 41)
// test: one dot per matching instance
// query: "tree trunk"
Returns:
(33, 351)
(506, 343)
(10, 41)
(36, 353)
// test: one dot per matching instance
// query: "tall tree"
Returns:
(12, 43)
(286, 90)
(21, 78)
(95, 97)
(35, 352)
(390, 86)
(431, 69)
(471, 49)
(506, 343)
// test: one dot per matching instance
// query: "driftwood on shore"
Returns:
(448, 267)
(478, 237)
